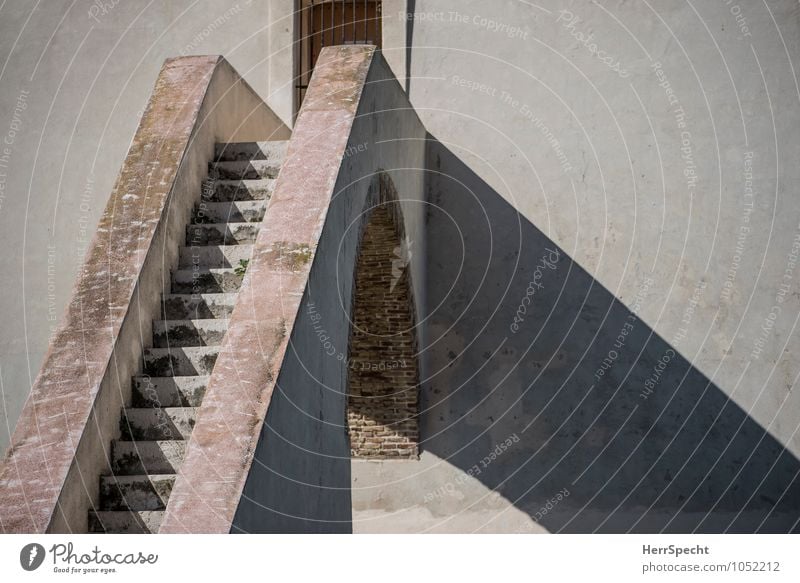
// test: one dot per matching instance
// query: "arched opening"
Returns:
(383, 372)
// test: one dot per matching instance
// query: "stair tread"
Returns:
(217, 323)
(182, 349)
(205, 269)
(221, 224)
(249, 182)
(125, 521)
(167, 410)
(221, 248)
(131, 478)
(258, 204)
(244, 163)
(160, 443)
(210, 296)
(175, 380)
(227, 208)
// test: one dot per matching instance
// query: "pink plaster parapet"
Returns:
(49, 477)
(220, 453)
(62, 399)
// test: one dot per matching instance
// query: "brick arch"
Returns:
(383, 371)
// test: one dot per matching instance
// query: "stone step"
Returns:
(245, 169)
(180, 361)
(207, 280)
(197, 306)
(152, 424)
(221, 233)
(168, 391)
(168, 333)
(216, 256)
(238, 211)
(141, 492)
(129, 458)
(273, 150)
(239, 190)
(125, 521)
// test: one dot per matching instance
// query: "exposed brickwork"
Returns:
(383, 373)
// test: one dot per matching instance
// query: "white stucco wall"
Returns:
(81, 73)
(636, 169)
(529, 119)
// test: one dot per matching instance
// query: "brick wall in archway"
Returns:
(383, 369)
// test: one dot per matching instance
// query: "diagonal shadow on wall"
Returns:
(683, 458)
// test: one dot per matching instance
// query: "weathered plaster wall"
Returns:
(663, 256)
(74, 80)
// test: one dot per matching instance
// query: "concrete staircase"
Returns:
(156, 427)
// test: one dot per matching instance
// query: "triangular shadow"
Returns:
(683, 458)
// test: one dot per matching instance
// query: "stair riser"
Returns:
(244, 170)
(135, 492)
(163, 362)
(188, 333)
(275, 151)
(195, 307)
(243, 211)
(157, 424)
(221, 234)
(168, 391)
(147, 457)
(214, 256)
(235, 190)
(192, 282)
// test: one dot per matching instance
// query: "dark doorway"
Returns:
(333, 22)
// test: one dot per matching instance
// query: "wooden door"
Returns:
(334, 22)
